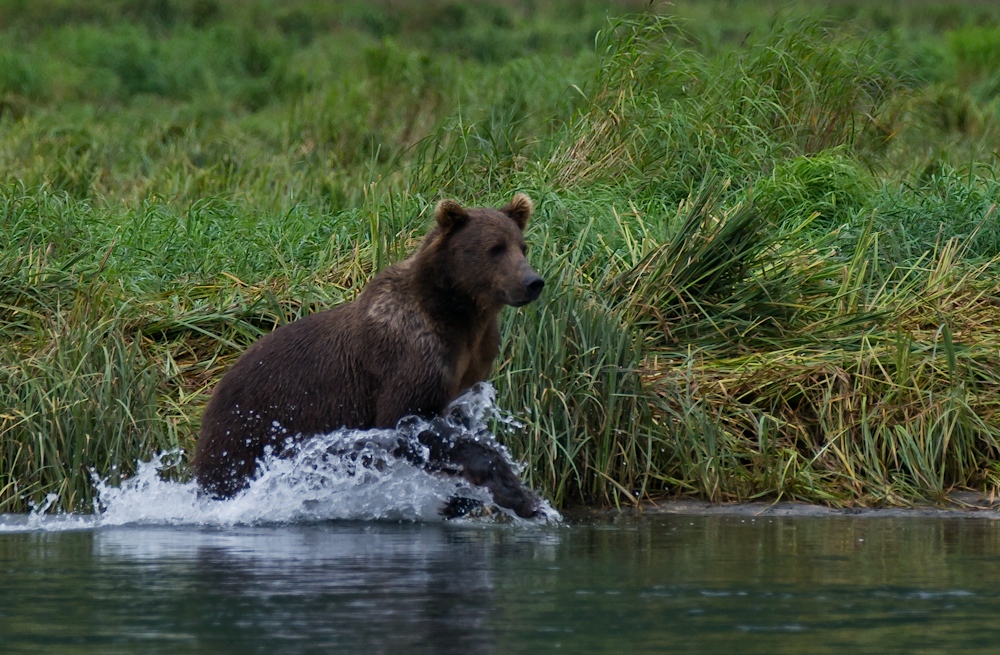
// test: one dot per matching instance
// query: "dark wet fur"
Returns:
(452, 451)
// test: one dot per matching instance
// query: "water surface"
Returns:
(677, 584)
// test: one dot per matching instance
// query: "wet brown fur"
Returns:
(421, 332)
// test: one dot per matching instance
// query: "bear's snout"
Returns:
(533, 284)
(531, 288)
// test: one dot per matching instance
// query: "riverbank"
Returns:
(769, 232)
(962, 505)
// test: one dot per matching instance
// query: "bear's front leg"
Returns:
(454, 452)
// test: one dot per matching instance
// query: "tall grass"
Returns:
(770, 238)
(83, 401)
(571, 374)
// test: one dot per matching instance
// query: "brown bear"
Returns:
(420, 333)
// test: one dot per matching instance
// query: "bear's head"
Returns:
(482, 251)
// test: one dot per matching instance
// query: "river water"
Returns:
(648, 584)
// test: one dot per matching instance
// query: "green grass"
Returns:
(769, 230)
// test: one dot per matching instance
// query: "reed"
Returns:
(83, 401)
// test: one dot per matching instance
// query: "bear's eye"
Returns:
(498, 249)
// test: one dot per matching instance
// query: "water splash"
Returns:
(347, 474)
(38, 519)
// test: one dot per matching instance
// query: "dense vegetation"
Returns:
(770, 232)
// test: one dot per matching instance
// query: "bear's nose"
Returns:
(534, 284)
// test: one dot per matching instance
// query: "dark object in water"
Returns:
(451, 450)
(450, 445)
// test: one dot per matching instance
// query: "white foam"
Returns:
(347, 474)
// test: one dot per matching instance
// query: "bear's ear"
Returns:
(519, 209)
(450, 215)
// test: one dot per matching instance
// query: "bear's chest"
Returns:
(476, 358)
(459, 355)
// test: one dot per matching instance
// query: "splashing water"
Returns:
(347, 474)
